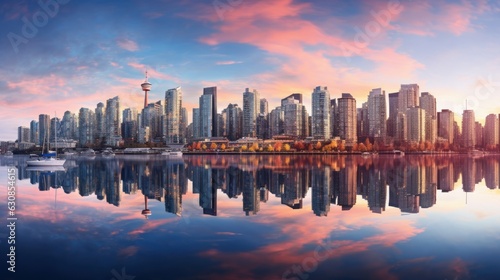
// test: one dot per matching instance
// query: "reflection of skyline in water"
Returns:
(408, 183)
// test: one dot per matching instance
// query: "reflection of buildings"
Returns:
(251, 196)
(492, 174)
(412, 181)
(203, 182)
(320, 184)
(175, 186)
(446, 181)
(347, 188)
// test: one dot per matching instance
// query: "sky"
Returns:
(60, 55)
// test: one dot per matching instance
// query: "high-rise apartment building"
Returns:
(428, 104)
(234, 119)
(100, 121)
(196, 123)
(320, 113)
(69, 126)
(468, 129)
(113, 123)
(43, 129)
(251, 108)
(445, 125)
(206, 115)
(415, 124)
(276, 122)
(393, 114)
(130, 126)
(34, 132)
(173, 105)
(347, 119)
(377, 114)
(408, 97)
(491, 132)
(23, 135)
(212, 92)
(86, 125)
(295, 119)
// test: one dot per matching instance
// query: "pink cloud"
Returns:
(426, 18)
(127, 44)
(228, 62)
(305, 52)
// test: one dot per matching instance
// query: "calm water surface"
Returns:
(256, 217)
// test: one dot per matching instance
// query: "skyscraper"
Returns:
(251, 106)
(276, 122)
(86, 124)
(295, 96)
(377, 113)
(183, 125)
(415, 123)
(363, 125)
(69, 126)
(393, 114)
(234, 118)
(151, 117)
(43, 129)
(206, 115)
(491, 132)
(23, 134)
(196, 123)
(264, 107)
(34, 131)
(468, 129)
(113, 124)
(428, 103)
(347, 119)
(129, 124)
(212, 92)
(100, 121)
(173, 105)
(445, 125)
(295, 118)
(479, 129)
(321, 113)
(408, 97)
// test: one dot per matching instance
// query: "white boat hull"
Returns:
(46, 162)
(172, 154)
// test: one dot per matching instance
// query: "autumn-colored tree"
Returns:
(355, 147)
(223, 146)
(318, 146)
(198, 146)
(421, 146)
(286, 147)
(255, 146)
(244, 148)
(334, 145)
(368, 145)
(362, 147)
(270, 148)
(299, 146)
(278, 146)
(429, 146)
(204, 147)
(310, 147)
(213, 146)
(342, 147)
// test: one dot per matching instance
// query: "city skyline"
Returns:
(288, 47)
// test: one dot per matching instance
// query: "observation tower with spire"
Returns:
(146, 86)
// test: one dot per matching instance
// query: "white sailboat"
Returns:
(49, 159)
